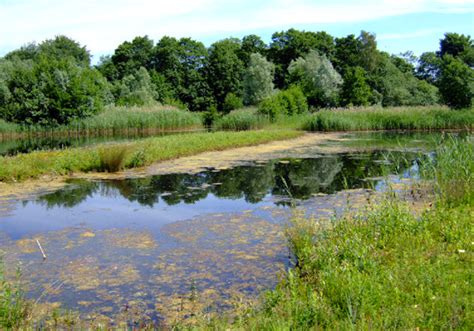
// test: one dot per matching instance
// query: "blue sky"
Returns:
(400, 25)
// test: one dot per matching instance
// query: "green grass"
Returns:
(241, 119)
(383, 268)
(139, 153)
(8, 128)
(13, 306)
(250, 119)
(453, 171)
(115, 120)
(407, 118)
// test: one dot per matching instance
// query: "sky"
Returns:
(399, 25)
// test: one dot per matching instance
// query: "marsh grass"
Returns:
(140, 153)
(115, 120)
(452, 169)
(13, 305)
(7, 127)
(399, 118)
(241, 119)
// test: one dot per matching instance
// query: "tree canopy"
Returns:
(53, 82)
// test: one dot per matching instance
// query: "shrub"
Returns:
(456, 83)
(232, 102)
(300, 100)
(288, 102)
(210, 116)
(50, 91)
(270, 107)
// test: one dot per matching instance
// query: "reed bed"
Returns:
(241, 120)
(114, 120)
(399, 118)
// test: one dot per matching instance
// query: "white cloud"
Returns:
(102, 25)
(409, 35)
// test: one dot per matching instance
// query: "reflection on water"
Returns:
(166, 245)
(298, 178)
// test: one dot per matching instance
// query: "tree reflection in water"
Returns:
(298, 178)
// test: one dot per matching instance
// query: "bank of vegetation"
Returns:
(425, 118)
(52, 86)
(114, 157)
(113, 121)
(385, 267)
(408, 118)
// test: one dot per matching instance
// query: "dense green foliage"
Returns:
(318, 79)
(355, 90)
(13, 305)
(384, 267)
(456, 83)
(258, 79)
(53, 83)
(138, 153)
(421, 118)
(451, 69)
(283, 103)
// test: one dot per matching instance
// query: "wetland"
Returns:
(165, 247)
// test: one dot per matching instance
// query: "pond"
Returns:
(169, 246)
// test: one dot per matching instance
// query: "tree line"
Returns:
(54, 82)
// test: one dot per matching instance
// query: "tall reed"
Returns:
(241, 119)
(402, 118)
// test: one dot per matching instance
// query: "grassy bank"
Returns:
(113, 120)
(384, 268)
(403, 118)
(112, 157)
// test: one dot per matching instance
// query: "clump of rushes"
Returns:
(241, 119)
(400, 118)
(453, 171)
(112, 158)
